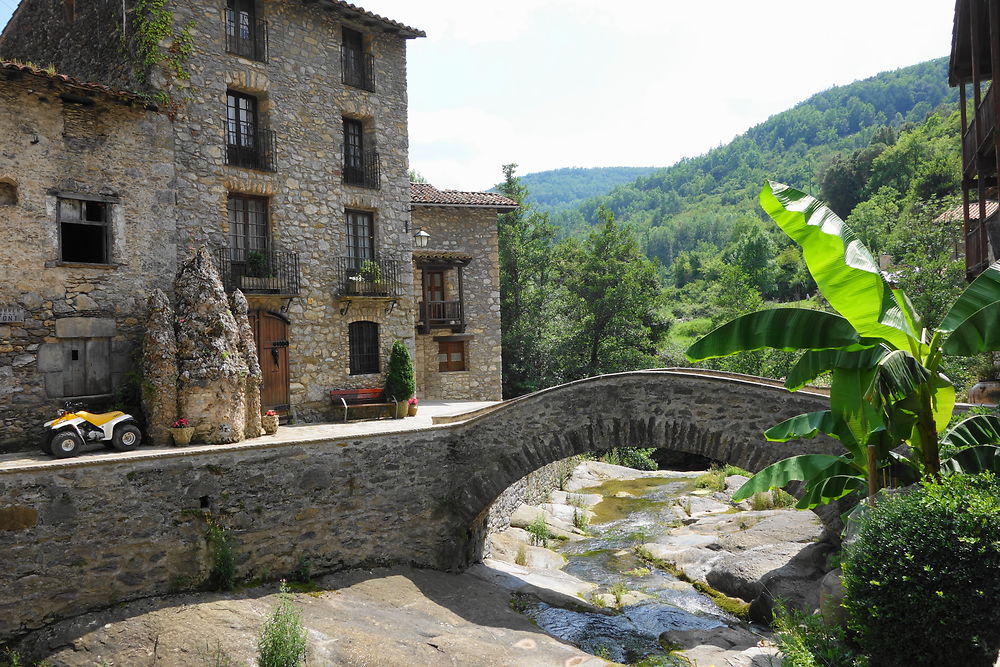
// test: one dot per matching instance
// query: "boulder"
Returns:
(159, 370)
(248, 348)
(506, 546)
(831, 599)
(524, 515)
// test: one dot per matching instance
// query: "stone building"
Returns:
(286, 124)
(86, 203)
(457, 287)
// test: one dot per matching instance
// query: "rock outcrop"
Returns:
(211, 368)
(159, 370)
(248, 348)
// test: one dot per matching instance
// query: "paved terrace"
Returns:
(429, 415)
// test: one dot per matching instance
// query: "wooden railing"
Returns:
(441, 315)
(982, 126)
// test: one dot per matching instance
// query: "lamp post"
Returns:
(421, 238)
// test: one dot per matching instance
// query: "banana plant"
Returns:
(886, 388)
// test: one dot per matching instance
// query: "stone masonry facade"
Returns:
(69, 152)
(295, 202)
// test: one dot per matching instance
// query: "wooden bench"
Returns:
(362, 398)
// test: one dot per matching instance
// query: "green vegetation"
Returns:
(521, 558)
(630, 457)
(805, 640)
(581, 519)
(715, 478)
(282, 641)
(539, 530)
(154, 25)
(887, 387)
(223, 574)
(618, 591)
(303, 570)
(769, 500)
(920, 580)
(399, 380)
(561, 189)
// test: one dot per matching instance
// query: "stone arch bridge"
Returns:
(87, 532)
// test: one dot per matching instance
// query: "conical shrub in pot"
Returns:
(399, 382)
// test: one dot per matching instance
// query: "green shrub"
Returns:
(921, 582)
(539, 530)
(223, 574)
(282, 641)
(399, 380)
(580, 518)
(631, 457)
(805, 640)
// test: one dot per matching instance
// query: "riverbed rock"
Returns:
(567, 513)
(508, 545)
(724, 637)
(776, 526)
(569, 498)
(525, 514)
(594, 473)
(831, 599)
(553, 587)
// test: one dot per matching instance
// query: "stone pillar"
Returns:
(248, 348)
(159, 370)
(211, 369)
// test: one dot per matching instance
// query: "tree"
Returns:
(887, 389)
(399, 382)
(612, 297)
(525, 238)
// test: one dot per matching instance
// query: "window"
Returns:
(451, 356)
(84, 234)
(247, 226)
(433, 286)
(360, 237)
(245, 35)
(361, 164)
(363, 337)
(357, 64)
(247, 144)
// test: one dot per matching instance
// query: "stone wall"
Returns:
(532, 489)
(84, 147)
(87, 532)
(473, 231)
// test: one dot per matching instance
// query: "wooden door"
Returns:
(271, 333)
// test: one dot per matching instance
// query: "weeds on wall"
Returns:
(223, 574)
(154, 27)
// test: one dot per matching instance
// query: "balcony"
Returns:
(975, 141)
(441, 315)
(358, 69)
(376, 277)
(259, 271)
(247, 41)
(258, 154)
(365, 173)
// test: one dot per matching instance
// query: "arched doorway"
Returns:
(270, 331)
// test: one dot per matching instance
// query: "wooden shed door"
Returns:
(271, 333)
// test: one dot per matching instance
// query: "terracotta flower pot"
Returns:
(182, 436)
(269, 423)
(412, 412)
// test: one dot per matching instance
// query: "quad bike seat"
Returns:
(98, 419)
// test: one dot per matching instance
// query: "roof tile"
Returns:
(427, 194)
(108, 91)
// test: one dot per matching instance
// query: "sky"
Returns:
(590, 83)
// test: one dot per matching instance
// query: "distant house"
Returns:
(279, 140)
(975, 56)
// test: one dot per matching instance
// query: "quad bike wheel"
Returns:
(65, 444)
(126, 438)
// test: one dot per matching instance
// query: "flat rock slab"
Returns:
(780, 526)
(506, 546)
(398, 616)
(594, 473)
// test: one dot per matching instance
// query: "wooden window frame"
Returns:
(262, 239)
(364, 348)
(85, 203)
(237, 133)
(360, 243)
(448, 348)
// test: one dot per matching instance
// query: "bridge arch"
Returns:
(717, 415)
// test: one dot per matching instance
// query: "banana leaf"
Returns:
(974, 459)
(844, 270)
(897, 375)
(975, 430)
(832, 488)
(807, 425)
(814, 363)
(779, 328)
(981, 292)
(862, 417)
(979, 332)
(776, 475)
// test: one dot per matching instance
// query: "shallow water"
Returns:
(607, 559)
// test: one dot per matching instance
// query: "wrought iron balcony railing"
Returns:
(358, 69)
(255, 151)
(369, 277)
(248, 40)
(366, 172)
(259, 271)
(441, 315)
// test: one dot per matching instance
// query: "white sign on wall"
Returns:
(11, 314)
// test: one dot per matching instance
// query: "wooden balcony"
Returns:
(977, 142)
(441, 315)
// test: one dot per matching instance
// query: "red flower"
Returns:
(180, 423)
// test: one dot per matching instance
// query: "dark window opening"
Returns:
(361, 163)
(451, 356)
(247, 144)
(360, 237)
(248, 233)
(246, 35)
(74, 355)
(364, 348)
(84, 231)
(8, 194)
(358, 65)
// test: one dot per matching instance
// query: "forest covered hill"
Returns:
(561, 189)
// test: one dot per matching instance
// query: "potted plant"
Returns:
(258, 273)
(269, 422)
(412, 410)
(371, 277)
(399, 382)
(181, 432)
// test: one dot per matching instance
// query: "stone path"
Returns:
(431, 414)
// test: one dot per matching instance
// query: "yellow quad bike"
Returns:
(66, 433)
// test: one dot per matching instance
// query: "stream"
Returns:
(607, 559)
